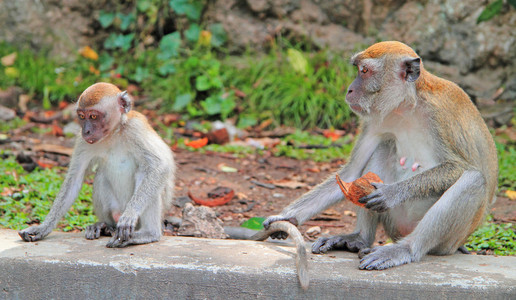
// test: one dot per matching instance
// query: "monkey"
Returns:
(428, 143)
(134, 171)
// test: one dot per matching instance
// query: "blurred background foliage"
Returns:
(172, 57)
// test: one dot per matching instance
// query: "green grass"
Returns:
(506, 163)
(44, 77)
(498, 238)
(26, 197)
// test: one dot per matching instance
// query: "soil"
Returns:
(200, 173)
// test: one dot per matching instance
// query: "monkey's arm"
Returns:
(67, 194)
(328, 193)
(432, 182)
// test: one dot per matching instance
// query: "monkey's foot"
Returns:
(349, 242)
(96, 230)
(384, 257)
(462, 249)
(138, 238)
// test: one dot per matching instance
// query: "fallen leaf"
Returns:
(23, 99)
(197, 143)
(218, 196)
(333, 134)
(63, 105)
(58, 149)
(88, 53)
(287, 183)
(9, 59)
(93, 70)
(350, 213)
(56, 129)
(511, 195)
(7, 191)
(46, 163)
(226, 169)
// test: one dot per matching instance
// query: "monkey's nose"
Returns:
(350, 91)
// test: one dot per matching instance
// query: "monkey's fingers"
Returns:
(369, 197)
(31, 234)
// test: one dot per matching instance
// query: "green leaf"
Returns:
(126, 20)
(106, 61)
(169, 45)
(124, 41)
(193, 32)
(110, 42)
(254, 223)
(218, 33)
(297, 61)
(46, 99)
(179, 6)
(182, 101)
(512, 2)
(143, 5)
(491, 10)
(211, 105)
(226, 106)
(245, 121)
(193, 10)
(106, 18)
(167, 68)
(140, 74)
(202, 83)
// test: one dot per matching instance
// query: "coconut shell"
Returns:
(358, 188)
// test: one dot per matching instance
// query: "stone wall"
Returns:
(481, 58)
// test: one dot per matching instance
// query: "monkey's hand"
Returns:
(34, 233)
(281, 235)
(349, 242)
(124, 230)
(385, 197)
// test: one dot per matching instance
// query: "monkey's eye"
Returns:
(81, 116)
(93, 117)
(364, 69)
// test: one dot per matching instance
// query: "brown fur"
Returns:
(391, 47)
(96, 92)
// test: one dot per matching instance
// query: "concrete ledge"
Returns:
(65, 266)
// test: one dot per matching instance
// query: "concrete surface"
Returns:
(67, 266)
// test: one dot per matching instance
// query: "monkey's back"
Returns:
(460, 126)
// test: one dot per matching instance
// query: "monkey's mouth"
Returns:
(91, 140)
(355, 107)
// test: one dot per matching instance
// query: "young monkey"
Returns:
(426, 140)
(134, 177)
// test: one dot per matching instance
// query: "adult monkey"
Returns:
(134, 177)
(424, 137)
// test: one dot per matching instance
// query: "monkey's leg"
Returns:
(150, 229)
(102, 197)
(362, 238)
(441, 231)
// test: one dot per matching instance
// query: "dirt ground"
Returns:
(200, 173)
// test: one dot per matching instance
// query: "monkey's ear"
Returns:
(411, 69)
(125, 102)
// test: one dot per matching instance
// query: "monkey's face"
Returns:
(364, 89)
(94, 125)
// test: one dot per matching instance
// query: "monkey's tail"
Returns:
(301, 257)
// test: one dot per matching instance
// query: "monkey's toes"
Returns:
(320, 246)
